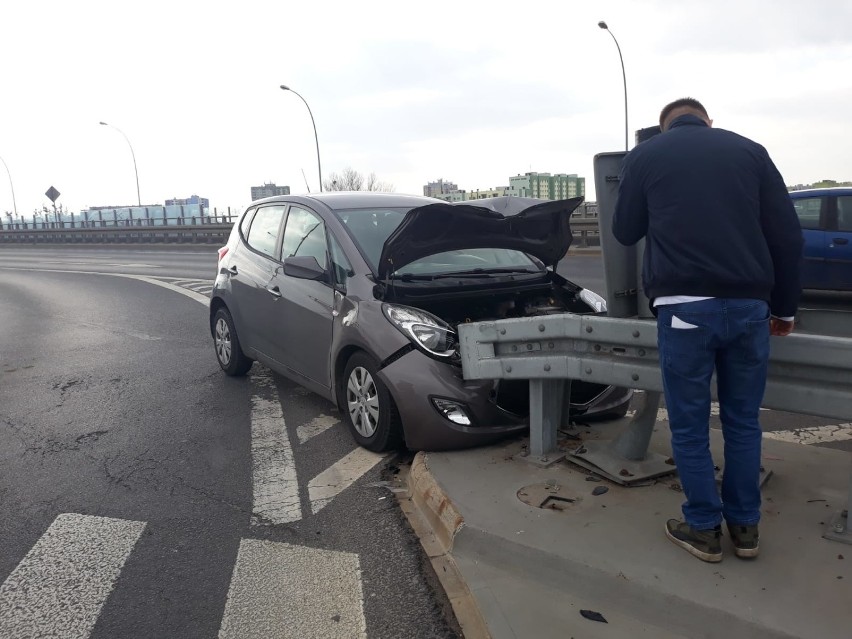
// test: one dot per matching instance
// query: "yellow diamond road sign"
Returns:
(52, 193)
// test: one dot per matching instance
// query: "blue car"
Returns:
(826, 219)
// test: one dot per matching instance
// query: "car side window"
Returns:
(304, 236)
(263, 233)
(844, 213)
(339, 264)
(808, 209)
(246, 222)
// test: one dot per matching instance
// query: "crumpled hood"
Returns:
(540, 228)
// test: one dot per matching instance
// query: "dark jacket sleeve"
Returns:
(783, 235)
(630, 221)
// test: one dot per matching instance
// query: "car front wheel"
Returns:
(369, 409)
(229, 354)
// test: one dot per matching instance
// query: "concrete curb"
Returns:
(433, 502)
(436, 522)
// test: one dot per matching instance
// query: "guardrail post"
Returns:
(626, 459)
(546, 406)
(839, 528)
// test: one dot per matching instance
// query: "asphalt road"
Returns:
(128, 475)
(130, 485)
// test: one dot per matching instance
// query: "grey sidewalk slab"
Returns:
(531, 570)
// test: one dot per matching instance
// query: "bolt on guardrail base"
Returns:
(626, 459)
(838, 528)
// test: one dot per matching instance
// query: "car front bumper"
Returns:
(415, 379)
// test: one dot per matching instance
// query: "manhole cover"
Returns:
(548, 495)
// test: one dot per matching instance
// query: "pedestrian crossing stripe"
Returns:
(60, 586)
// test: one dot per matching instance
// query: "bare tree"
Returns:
(351, 180)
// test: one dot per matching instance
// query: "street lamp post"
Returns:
(135, 171)
(603, 26)
(316, 139)
(11, 186)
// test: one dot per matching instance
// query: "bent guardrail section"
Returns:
(809, 374)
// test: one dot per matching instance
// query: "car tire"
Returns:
(368, 408)
(229, 353)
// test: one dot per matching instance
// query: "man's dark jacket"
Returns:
(717, 216)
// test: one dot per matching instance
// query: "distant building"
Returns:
(482, 194)
(439, 188)
(193, 199)
(268, 190)
(822, 184)
(452, 196)
(560, 186)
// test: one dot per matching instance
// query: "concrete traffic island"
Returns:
(520, 571)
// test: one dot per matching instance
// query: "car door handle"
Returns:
(840, 240)
(276, 292)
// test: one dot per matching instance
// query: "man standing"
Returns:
(722, 257)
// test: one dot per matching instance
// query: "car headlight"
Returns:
(426, 331)
(594, 300)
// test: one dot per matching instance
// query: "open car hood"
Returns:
(540, 228)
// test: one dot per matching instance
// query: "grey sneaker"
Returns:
(704, 544)
(746, 540)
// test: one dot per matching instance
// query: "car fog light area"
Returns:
(453, 411)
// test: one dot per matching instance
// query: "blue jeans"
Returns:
(732, 337)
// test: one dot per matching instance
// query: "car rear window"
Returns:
(808, 209)
(844, 213)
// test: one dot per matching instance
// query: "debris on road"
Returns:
(593, 616)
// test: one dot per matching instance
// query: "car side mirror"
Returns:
(305, 267)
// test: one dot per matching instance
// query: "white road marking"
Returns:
(97, 263)
(808, 436)
(202, 299)
(198, 297)
(316, 426)
(61, 585)
(337, 478)
(813, 435)
(285, 591)
(274, 480)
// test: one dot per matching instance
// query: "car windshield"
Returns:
(371, 227)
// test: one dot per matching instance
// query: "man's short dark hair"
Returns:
(682, 103)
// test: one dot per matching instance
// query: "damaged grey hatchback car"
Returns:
(357, 296)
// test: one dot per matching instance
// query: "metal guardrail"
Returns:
(206, 229)
(142, 230)
(809, 374)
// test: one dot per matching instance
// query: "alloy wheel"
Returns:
(223, 341)
(362, 400)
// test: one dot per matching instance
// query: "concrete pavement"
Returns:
(529, 571)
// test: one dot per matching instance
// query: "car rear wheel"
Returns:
(368, 406)
(229, 354)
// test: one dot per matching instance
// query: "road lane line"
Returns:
(274, 481)
(316, 426)
(337, 478)
(61, 585)
(293, 592)
(201, 299)
(813, 435)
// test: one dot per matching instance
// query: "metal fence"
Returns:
(196, 228)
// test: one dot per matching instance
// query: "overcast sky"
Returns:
(473, 92)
